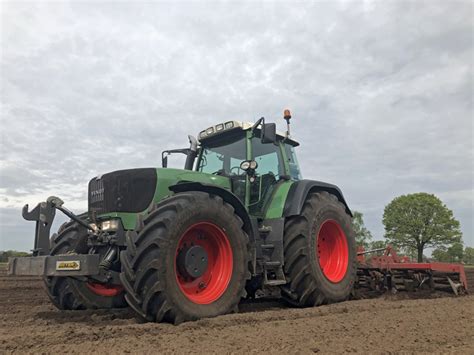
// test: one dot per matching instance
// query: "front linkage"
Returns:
(91, 265)
(44, 214)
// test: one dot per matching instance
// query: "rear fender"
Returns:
(300, 190)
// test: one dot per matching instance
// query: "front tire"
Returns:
(320, 253)
(162, 280)
(67, 293)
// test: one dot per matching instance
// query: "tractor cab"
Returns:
(254, 157)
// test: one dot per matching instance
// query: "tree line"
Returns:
(4, 255)
(414, 223)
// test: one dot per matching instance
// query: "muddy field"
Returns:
(28, 323)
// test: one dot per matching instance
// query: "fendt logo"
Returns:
(98, 192)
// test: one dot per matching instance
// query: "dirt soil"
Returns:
(29, 323)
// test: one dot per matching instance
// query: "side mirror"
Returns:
(164, 161)
(268, 133)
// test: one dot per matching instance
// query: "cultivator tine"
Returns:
(454, 286)
(425, 279)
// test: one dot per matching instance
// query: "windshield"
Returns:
(223, 159)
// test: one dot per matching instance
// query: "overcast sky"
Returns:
(381, 94)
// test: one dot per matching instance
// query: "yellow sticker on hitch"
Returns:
(68, 265)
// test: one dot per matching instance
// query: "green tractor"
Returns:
(182, 244)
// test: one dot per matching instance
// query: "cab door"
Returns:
(267, 175)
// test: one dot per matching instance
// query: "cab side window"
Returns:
(268, 163)
(270, 168)
(295, 171)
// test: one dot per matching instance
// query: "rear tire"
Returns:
(70, 294)
(320, 253)
(152, 269)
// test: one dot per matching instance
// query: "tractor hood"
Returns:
(132, 191)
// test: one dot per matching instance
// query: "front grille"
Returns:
(122, 191)
(96, 194)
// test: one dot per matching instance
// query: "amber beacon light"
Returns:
(287, 117)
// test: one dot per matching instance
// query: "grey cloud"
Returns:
(381, 92)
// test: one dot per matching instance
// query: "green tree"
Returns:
(440, 255)
(378, 244)
(468, 255)
(452, 254)
(456, 252)
(417, 221)
(4, 255)
(362, 234)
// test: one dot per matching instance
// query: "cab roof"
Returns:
(233, 126)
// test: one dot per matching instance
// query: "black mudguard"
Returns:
(300, 189)
(227, 196)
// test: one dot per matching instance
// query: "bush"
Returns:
(4, 255)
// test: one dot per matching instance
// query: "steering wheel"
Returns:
(219, 172)
(238, 170)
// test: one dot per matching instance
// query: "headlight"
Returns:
(109, 225)
(248, 165)
(93, 227)
(245, 165)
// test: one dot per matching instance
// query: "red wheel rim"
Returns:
(104, 290)
(210, 286)
(332, 251)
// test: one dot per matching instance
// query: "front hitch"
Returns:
(44, 214)
(63, 265)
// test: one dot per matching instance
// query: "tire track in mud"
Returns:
(28, 322)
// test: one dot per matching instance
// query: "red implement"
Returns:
(391, 272)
